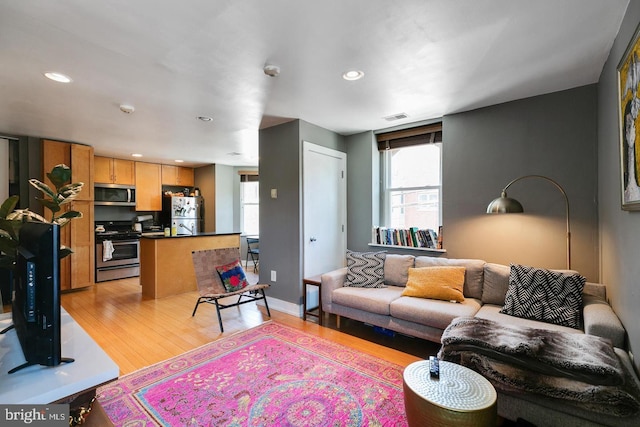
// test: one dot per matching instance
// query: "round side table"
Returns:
(460, 397)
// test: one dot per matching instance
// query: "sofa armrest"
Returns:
(329, 282)
(600, 320)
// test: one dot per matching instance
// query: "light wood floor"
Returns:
(138, 332)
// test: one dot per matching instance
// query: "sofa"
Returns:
(485, 288)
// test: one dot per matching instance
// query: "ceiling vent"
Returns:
(395, 117)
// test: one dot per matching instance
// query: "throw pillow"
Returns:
(545, 295)
(443, 283)
(365, 269)
(232, 276)
(396, 269)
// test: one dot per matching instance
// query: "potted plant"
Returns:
(11, 219)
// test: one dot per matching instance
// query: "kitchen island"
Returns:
(166, 267)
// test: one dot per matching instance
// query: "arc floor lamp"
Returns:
(504, 204)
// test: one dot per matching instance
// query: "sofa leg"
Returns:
(338, 321)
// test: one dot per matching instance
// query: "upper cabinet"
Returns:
(177, 175)
(114, 171)
(148, 187)
(78, 157)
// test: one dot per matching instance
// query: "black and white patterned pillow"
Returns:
(365, 269)
(545, 295)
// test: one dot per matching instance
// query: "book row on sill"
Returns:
(412, 237)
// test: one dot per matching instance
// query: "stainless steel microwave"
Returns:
(114, 195)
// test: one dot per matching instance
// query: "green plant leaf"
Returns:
(23, 215)
(8, 206)
(69, 192)
(7, 244)
(10, 228)
(50, 204)
(60, 175)
(70, 215)
(64, 251)
(7, 262)
(43, 187)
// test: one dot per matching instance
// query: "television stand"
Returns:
(24, 365)
(91, 369)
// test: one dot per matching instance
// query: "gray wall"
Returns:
(280, 219)
(552, 135)
(363, 189)
(619, 230)
(226, 209)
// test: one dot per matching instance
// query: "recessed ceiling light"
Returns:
(352, 75)
(179, 161)
(205, 118)
(136, 155)
(126, 108)
(58, 77)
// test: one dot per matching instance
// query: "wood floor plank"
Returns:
(137, 332)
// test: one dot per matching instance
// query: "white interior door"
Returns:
(324, 209)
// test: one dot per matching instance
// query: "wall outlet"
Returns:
(273, 275)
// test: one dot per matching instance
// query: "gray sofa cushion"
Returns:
(600, 320)
(474, 276)
(396, 269)
(496, 283)
(430, 312)
(492, 312)
(374, 300)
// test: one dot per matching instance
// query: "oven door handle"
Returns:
(124, 242)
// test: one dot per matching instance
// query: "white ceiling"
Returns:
(176, 60)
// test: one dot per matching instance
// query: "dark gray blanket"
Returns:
(580, 368)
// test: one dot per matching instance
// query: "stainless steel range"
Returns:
(117, 250)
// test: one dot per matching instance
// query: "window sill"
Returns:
(432, 250)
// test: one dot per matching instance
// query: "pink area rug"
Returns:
(271, 375)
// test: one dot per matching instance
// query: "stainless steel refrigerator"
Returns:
(185, 214)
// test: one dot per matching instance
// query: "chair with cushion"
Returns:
(253, 252)
(219, 275)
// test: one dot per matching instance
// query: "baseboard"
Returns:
(283, 306)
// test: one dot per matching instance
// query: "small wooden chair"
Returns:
(210, 286)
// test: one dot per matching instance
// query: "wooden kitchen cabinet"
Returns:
(114, 171)
(177, 175)
(82, 234)
(148, 186)
(77, 269)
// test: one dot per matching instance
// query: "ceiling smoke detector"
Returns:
(271, 70)
(128, 109)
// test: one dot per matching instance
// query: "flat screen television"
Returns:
(36, 295)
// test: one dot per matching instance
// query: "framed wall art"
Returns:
(629, 122)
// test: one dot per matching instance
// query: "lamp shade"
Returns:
(504, 204)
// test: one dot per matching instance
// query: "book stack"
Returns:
(412, 237)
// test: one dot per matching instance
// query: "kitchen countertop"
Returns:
(160, 235)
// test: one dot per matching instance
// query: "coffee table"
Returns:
(460, 397)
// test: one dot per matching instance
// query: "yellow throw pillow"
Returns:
(444, 283)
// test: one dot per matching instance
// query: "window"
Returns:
(250, 204)
(412, 177)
